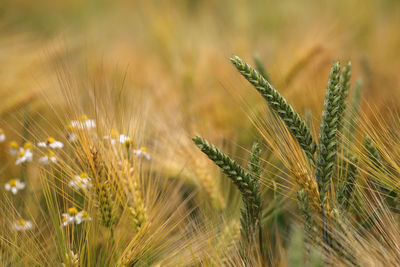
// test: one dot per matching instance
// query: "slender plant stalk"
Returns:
(279, 104)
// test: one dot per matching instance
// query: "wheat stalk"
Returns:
(354, 110)
(279, 104)
(247, 185)
(254, 163)
(103, 191)
(138, 213)
(345, 86)
(326, 155)
(346, 186)
(260, 67)
(305, 209)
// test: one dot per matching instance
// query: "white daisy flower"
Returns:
(25, 155)
(83, 123)
(73, 216)
(14, 185)
(2, 136)
(142, 152)
(123, 139)
(22, 225)
(72, 137)
(14, 148)
(51, 143)
(48, 158)
(115, 137)
(81, 181)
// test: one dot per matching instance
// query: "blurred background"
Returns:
(175, 54)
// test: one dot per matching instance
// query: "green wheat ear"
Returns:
(326, 155)
(354, 111)
(376, 161)
(279, 104)
(254, 163)
(346, 186)
(345, 86)
(247, 185)
(260, 67)
(305, 209)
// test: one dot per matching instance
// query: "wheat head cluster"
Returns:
(131, 134)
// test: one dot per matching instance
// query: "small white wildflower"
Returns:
(72, 137)
(83, 123)
(115, 137)
(73, 216)
(14, 148)
(2, 136)
(80, 181)
(123, 139)
(48, 158)
(25, 155)
(22, 225)
(142, 152)
(51, 143)
(14, 185)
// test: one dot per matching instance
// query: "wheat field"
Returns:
(199, 133)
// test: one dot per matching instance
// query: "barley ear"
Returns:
(326, 154)
(103, 192)
(246, 184)
(276, 102)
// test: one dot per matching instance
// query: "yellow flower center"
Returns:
(50, 140)
(22, 153)
(84, 175)
(114, 133)
(21, 222)
(84, 117)
(72, 211)
(143, 148)
(51, 154)
(14, 145)
(28, 145)
(128, 142)
(12, 182)
(84, 214)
